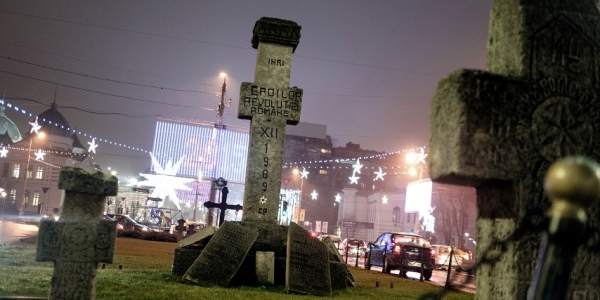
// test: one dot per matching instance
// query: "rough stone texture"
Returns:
(197, 237)
(339, 275)
(265, 267)
(334, 253)
(183, 259)
(500, 129)
(276, 31)
(80, 239)
(307, 270)
(222, 256)
(270, 104)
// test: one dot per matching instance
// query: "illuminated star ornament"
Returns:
(314, 195)
(39, 155)
(165, 180)
(263, 200)
(384, 200)
(3, 152)
(379, 174)
(338, 198)
(353, 179)
(421, 157)
(35, 126)
(357, 166)
(304, 173)
(92, 146)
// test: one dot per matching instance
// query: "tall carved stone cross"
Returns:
(500, 129)
(80, 239)
(270, 104)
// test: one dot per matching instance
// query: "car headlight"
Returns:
(144, 228)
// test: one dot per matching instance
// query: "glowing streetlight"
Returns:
(40, 135)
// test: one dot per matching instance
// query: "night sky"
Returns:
(369, 69)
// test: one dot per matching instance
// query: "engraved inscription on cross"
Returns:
(270, 104)
(80, 239)
(500, 129)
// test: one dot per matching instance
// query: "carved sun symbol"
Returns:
(263, 200)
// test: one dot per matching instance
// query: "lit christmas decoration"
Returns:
(263, 200)
(35, 126)
(3, 152)
(384, 200)
(421, 157)
(379, 174)
(357, 166)
(165, 181)
(39, 155)
(92, 146)
(304, 173)
(314, 195)
(338, 197)
(353, 179)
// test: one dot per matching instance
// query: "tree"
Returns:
(455, 213)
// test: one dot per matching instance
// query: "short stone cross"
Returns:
(80, 239)
(223, 206)
(270, 104)
(500, 129)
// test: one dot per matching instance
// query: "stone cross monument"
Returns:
(270, 104)
(500, 129)
(80, 239)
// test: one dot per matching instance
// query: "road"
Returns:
(12, 232)
(461, 280)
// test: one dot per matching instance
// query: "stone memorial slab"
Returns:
(270, 104)
(500, 129)
(307, 269)
(221, 258)
(265, 267)
(81, 239)
(206, 232)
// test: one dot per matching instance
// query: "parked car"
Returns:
(401, 251)
(442, 257)
(334, 238)
(354, 246)
(128, 223)
(109, 218)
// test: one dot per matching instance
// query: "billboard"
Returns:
(418, 196)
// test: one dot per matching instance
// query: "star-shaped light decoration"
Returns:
(3, 152)
(379, 174)
(263, 200)
(39, 155)
(357, 166)
(421, 157)
(338, 197)
(35, 126)
(314, 195)
(92, 146)
(384, 199)
(165, 180)
(353, 179)
(304, 173)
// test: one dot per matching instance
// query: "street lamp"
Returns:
(3, 196)
(40, 135)
(221, 107)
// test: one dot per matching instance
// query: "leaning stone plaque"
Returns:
(222, 256)
(307, 269)
(208, 231)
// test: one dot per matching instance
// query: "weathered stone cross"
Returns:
(223, 206)
(500, 129)
(270, 104)
(81, 239)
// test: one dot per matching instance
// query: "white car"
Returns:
(442, 257)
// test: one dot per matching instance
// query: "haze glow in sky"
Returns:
(369, 69)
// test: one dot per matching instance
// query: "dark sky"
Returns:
(369, 69)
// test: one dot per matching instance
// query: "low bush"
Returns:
(149, 235)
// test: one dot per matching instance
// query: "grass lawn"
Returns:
(146, 274)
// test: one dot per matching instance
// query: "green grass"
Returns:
(146, 274)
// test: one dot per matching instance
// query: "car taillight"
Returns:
(397, 249)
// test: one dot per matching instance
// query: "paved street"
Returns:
(12, 232)
(462, 280)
